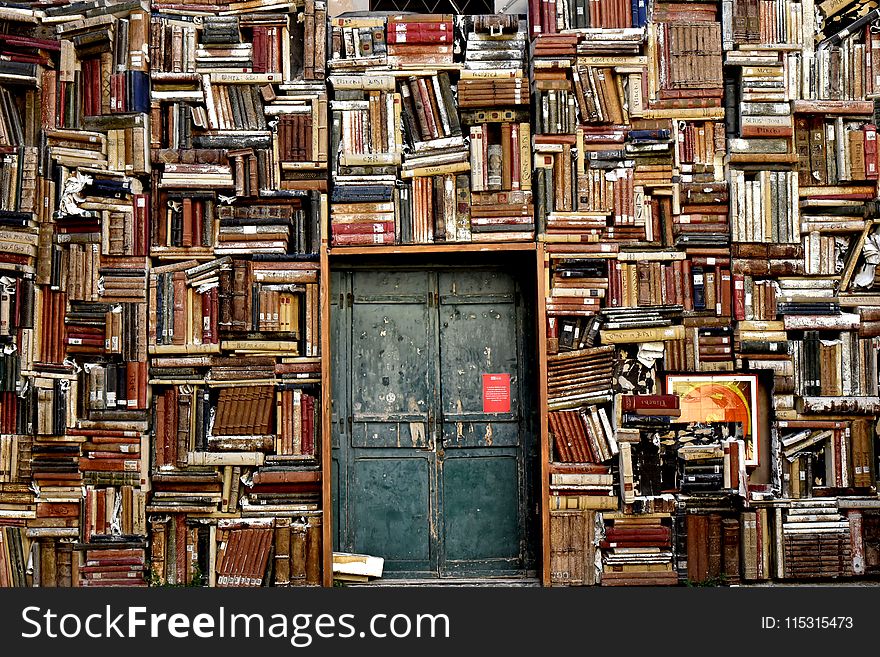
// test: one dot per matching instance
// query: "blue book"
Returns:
(139, 91)
(653, 135)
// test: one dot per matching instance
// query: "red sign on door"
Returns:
(496, 393)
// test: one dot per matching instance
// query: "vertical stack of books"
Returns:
(493, 95)
(88, 353)
(240, 148)
(637, 550)
(366, 138)
(632, 205)
(29, 60)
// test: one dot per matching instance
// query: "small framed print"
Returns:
(720, 398)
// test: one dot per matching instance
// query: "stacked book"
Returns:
(494, 99)
(637, 551)
(366, 138)
(580, 377)
(710, 545)
(815, 540)
(586, 485)
(430, 141)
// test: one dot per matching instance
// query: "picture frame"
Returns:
(720, 398)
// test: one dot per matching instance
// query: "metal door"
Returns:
(429, 431)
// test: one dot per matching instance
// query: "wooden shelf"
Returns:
(454, 247)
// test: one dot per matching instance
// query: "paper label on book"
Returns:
(249, 230)
(496, 393)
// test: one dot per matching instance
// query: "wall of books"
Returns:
(164, 191)
(697, 180)
(711, 378)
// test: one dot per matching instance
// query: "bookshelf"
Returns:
(415, 163)
(240, 154)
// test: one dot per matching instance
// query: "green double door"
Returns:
(430, 442)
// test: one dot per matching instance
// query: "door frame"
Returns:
(520, 264)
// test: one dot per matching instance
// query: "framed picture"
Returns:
(720, 398)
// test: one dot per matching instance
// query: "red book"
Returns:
(636, 402)
(95, 556)
(110, 433)
(372, 228)
(132, 373)
(142, 385)
(287, 477)
(419, 33)
(739, 297)
(198, 226)
(648, 533)
(121, 569)
(724, 292)
(549, 18)
(579, 468)
(108, 464)
(535, 16)
(687, 284)
(630, 544)
(259, 51)
(170, 421)
(308, 437)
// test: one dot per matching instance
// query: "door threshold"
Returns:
(460, 582)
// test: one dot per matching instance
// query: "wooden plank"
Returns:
(338, 251)
(326, 502)
(543, 434)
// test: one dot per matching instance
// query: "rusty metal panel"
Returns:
(481, 512)
(393, 511)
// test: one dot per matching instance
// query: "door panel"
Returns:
(392, 375)
(478, 335)
(481, 464)
(392, 398)
(481, 512)
(393, 511)
(339, 399)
